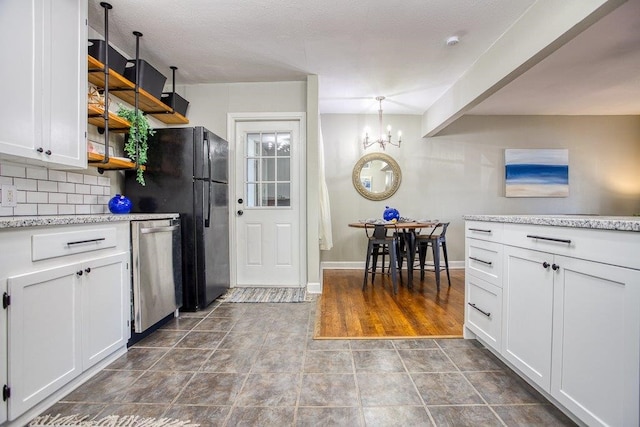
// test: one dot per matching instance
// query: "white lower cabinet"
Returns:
(105, 303)
(73, 314)
(528, 307)
(3, 353)
(483, 312)
(596, 342)
(67, 290)
(44, 319)
(570, 316)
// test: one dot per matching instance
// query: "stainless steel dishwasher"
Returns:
(157, 270)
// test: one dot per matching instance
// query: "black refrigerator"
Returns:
(187, 173)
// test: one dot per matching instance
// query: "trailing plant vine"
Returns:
(136, 145)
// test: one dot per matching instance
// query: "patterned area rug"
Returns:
(265, 295)
(110, 421)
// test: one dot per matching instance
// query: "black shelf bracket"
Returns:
(105, 113)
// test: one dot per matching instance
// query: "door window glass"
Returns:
(267, 174)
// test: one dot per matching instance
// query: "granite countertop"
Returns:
(620, 223)
(34, 221)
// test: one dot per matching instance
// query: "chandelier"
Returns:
(385, 138)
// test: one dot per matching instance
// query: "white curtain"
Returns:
(325, 233)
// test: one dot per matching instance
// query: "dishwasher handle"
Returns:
(150, 230)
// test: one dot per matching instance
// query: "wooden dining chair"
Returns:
(436, 239)
(380, 243)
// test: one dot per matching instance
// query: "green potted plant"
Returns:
(136, 145)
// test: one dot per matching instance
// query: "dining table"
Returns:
(406, 231)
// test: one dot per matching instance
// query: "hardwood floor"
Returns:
(345, 311)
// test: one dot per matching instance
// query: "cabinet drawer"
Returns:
(490, 231)
(483, 311)
(484, 260)
(606, 246)
(52, 245)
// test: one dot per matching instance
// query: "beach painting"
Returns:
(536, 172)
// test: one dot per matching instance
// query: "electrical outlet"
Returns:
(9, 196)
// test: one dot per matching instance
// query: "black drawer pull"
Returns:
(481, 260)
(480, 230)
(551, 239)
(80, 242)
(480, 310)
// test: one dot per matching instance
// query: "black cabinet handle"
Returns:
(551, 239)
(481, 260)
(79, 242)
(79, 272)
(48, 152)
(87, 270)
(555, 267)
(480, 310)
(40, 149)
(545, 264)
(240, 212)
(480, 230)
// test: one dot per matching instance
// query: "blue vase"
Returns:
(120, 204)
(390, 214)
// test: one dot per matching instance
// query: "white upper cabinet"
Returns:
(43, 117)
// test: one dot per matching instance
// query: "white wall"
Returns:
(461, 171)
(210, 103)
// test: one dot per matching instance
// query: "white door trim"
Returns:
(232, 119)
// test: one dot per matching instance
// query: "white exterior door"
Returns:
(267, 203)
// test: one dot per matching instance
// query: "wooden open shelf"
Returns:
(125, 90)
(116, 123)
(95, 160)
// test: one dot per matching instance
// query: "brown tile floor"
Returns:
(258, 365)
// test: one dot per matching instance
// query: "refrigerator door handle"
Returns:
(207, 221)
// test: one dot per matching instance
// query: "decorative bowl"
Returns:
(390, 214)
(120, 204)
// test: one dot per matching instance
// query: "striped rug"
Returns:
(265, 295)
(109, 421)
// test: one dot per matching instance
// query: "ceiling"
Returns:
(364, 48)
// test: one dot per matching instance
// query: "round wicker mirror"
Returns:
(376, 176)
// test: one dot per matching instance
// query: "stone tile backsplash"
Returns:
(52, 192)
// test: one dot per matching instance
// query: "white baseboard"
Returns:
(314, 288)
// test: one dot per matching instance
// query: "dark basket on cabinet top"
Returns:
(151, 80)
(97, 49)
(181, 104)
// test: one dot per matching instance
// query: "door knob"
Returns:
(240, 212)
(240, 201)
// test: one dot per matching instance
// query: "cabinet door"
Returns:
(44, 81)
(3, 354)
(105, 307)
(528, 299)
(44, 335)
(66, 100)
(21, 47)
(596, 342)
